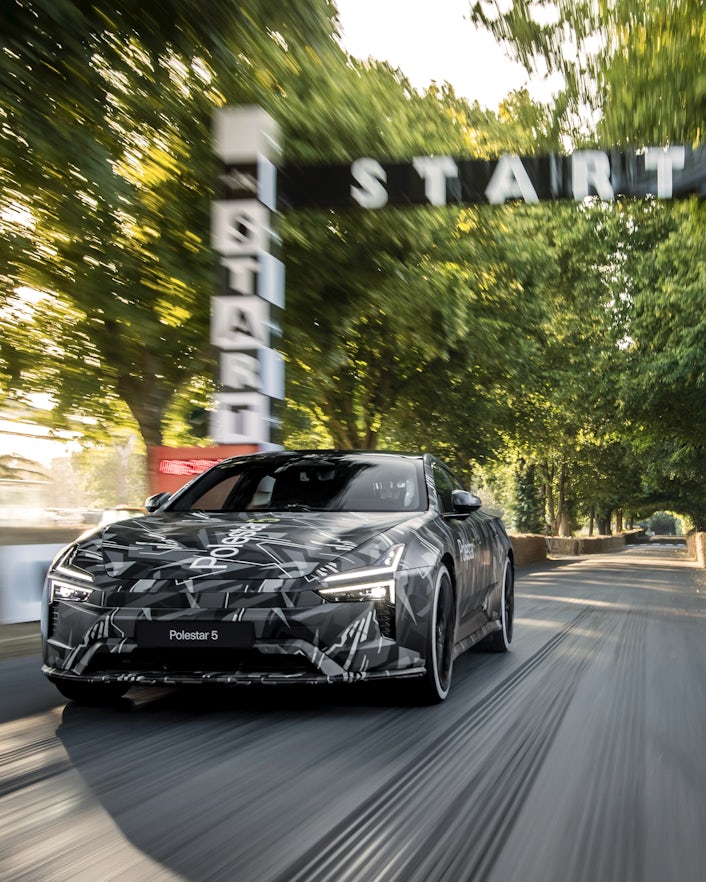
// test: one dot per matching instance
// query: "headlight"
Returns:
(66, 591)
(67, 582)
(368, 583)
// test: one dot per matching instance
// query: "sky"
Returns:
(434, 40)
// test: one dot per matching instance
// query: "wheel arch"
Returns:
(448, 562)
(510, 555)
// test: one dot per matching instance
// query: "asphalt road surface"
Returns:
(580, 756)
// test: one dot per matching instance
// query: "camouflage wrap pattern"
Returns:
(201, 572)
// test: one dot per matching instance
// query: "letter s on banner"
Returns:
(371, 176)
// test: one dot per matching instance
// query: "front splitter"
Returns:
(227, 678)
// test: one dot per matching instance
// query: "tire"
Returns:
(440, 640)
(91, 693)
(500, 640)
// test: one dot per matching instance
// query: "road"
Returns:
(577, 757)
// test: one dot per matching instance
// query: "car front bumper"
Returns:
(328, 643)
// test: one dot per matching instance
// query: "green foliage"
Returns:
(529, 502)
(554, 349)
(106, 172)
(654, 82)
(662, 523)
(385, 309)
(663, 385)
(632, 75)
(19, 468)
(632, 71)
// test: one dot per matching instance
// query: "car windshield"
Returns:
(308, 482)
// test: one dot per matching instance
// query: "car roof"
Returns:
(333, 452)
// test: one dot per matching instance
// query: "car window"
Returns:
(445, 483)
(214, 498)
(308, 482)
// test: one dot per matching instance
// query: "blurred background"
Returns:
(554, 354)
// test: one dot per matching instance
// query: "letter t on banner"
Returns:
(244, 326)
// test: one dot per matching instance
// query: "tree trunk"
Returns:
(546, 472)
(147, 394)
(149, 420)
(604, 522)
(124, 451)
(564, 519)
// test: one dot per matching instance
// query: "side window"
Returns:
(444, 485)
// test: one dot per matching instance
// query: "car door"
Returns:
(465, 538)
(487, 558)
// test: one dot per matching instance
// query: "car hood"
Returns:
(197, 545)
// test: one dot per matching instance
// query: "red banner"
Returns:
(170, 468)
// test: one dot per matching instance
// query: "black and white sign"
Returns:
(240, 322)
(244, 326)
(189, 634)
(666, 173)
(243, 417)
(261, 370)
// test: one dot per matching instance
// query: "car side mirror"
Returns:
(464, 502)
(152, 503)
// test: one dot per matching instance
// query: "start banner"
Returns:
(661, 172)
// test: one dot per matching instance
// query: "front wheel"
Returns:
(440, 640)
(500, 640)
(91, 693)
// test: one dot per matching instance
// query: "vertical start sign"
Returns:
(245, 310)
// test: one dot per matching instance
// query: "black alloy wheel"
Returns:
(500, 640)
(440, 645)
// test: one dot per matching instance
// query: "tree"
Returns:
(632, 71)
(107, 174)
(529, 505)
(19, 468)
(562, 409)
(664, 387)
(394, 316)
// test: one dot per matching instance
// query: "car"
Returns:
(284, 567)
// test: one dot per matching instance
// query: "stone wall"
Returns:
(585, 544)
(532, 547)
(696, 543)
(528, 548)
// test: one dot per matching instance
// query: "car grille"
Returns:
(53, 619)
(193, 659)
(386, 618)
